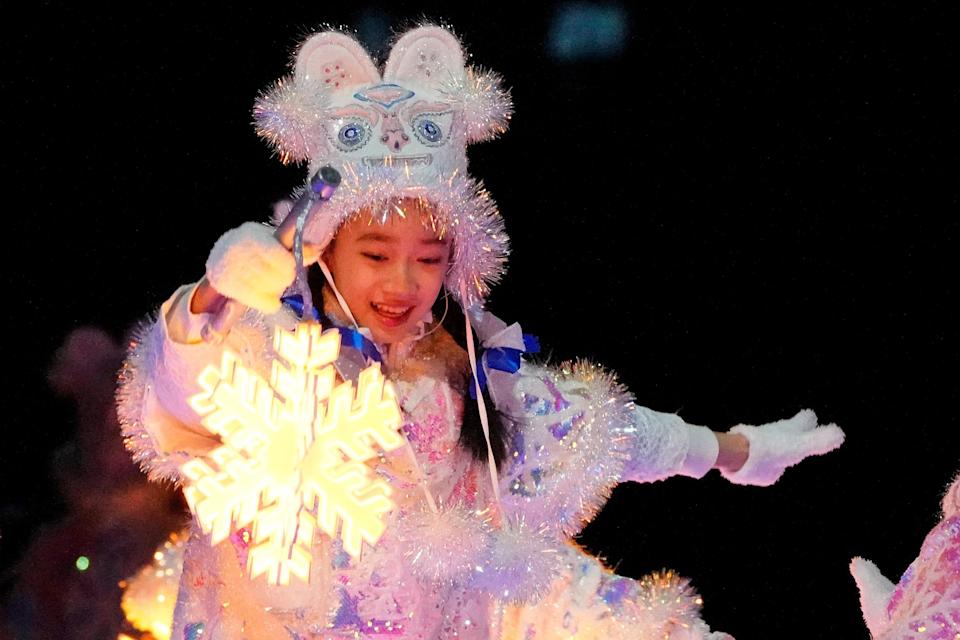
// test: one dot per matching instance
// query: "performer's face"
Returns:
(389, 274)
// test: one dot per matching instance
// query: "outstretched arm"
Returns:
(662, 445)
(578, 433)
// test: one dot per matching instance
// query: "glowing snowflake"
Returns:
(293, 452)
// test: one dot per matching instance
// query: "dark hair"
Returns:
(471, 430)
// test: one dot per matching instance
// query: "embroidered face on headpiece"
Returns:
(402, 134)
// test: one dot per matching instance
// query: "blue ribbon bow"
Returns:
(502, 359)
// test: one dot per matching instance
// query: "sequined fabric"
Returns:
(572, 438)
(926, 601)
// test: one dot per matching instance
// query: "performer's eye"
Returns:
(432, 129)
(352, 135)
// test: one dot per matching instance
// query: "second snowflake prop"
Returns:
(293, 453)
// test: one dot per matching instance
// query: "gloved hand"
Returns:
(250, 266)
(778, 445)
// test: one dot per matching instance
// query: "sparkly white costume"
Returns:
(393, 133)
(577, 436)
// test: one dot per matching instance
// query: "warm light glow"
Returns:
(293, 453)
(149, 596)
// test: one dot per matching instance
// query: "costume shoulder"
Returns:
(568, 448)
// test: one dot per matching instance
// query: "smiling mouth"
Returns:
(392, 316)
(406, 161)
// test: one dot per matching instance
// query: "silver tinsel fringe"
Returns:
(462, 209)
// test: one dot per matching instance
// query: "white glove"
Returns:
(250, 266)
(778, 445)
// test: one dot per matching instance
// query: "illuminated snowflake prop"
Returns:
(293, 453)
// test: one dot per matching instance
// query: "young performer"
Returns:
(505, 458)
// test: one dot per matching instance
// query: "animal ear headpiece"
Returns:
(399, 134)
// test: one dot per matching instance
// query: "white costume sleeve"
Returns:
(577, 433)
(159, 376)
(664, 445)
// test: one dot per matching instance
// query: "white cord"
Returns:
(481, 406)
(336, 292)
(446, 308)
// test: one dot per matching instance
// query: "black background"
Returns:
(746, 212)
